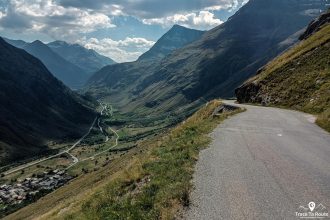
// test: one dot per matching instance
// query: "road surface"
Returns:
(265, 163)
(104, 107)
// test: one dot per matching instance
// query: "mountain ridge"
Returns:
(87, 59)
(297, 79)
(35, 107)
(68, 73)
(177, 37)
(212, 66)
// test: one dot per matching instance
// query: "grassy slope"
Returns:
(152, 182)
(300, 78)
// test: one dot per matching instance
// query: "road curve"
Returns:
(264, 163)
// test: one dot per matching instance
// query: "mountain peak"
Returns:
(177, 37)
(88, 60)
(176, 26)
(180, 27)
(37, 43)
(59, 43)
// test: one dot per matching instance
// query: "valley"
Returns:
(213, 110)
(111, 135)
(127, 169)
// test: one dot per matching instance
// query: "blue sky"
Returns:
(120, 29)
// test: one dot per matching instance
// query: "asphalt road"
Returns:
(265, 163)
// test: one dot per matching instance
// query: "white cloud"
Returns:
(203, 20)
(147, 9)
(125, 50)
(55, 20)
(226, 5)
(70, 20)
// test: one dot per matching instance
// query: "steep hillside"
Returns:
(68, 73)
(150, 182)
(16, 43)
(175, 38)
(88, 60)
(214, 65)
(298, 79)
(35, 107)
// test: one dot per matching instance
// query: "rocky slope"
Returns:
(88, 60)
(35, 107)
(176, 37)
(299, 78)
(214, 65)
(316, 25)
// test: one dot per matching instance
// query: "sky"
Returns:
(119, 29)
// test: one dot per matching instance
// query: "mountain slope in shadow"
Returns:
(35, 107)
(70, 74)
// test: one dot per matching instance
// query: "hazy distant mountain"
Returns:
(214, 65)
(175, 38)
(16, 43)
(62, 69)
(67, 72)
(34, 106)
(88, 60)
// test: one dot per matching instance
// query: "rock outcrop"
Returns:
(316, 25)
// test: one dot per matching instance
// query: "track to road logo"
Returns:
(312, 211)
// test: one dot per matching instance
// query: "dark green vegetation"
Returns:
(212, 66)
(176, 37)
(35, 107)
(86, 59)
(298, 79)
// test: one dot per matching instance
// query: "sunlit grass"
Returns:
(158, 182)
(300, 78)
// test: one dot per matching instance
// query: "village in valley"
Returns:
(30, 188)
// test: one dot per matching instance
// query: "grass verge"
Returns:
(158, 182)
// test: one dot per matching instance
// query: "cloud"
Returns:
(147, 9)
(203, 20)
(55, 20)
(125, 50)
(90, 21)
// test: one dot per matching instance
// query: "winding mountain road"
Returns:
(75, 159)
(104, 107)
(265, 163)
